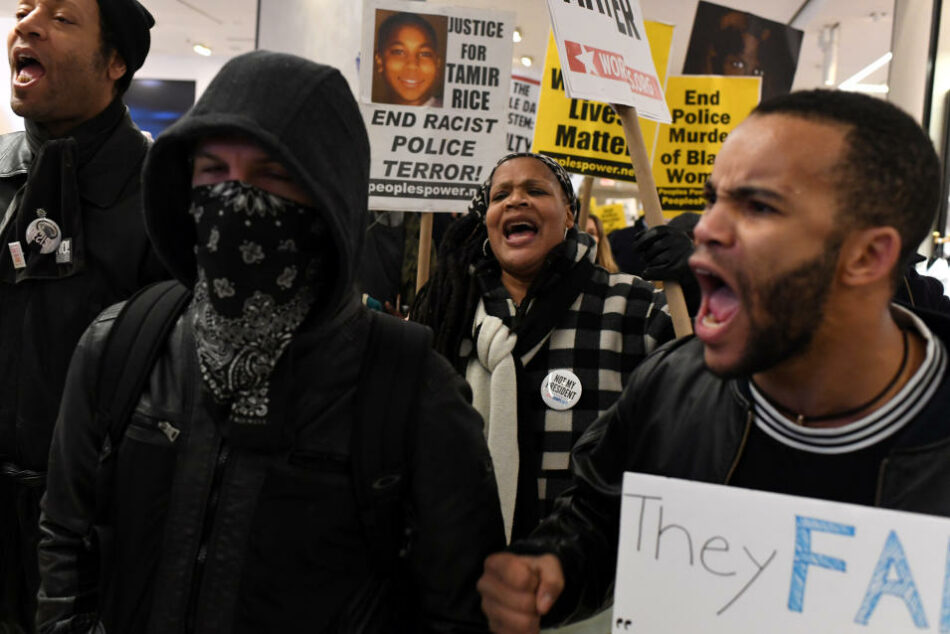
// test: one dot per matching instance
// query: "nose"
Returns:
(516, 198)
(31, 24)
(715, 226)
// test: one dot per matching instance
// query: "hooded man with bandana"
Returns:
(73, 238)
(234, 502)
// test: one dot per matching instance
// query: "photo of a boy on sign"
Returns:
(408, 59)
(729, 42)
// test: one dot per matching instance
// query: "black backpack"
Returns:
(389, 382)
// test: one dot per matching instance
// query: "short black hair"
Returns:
(397, 20)
(889, 174)
(108, 43)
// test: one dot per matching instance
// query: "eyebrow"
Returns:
(744, 192)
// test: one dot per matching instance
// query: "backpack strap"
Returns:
(386, 398)
(132, 346)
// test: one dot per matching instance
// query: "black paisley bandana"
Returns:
(257, 256)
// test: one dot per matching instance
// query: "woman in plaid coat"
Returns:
(545, 337)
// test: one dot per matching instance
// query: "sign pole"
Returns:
(682, 324)
(584, 195)
(425, 250)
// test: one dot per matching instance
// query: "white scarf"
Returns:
(491, 375)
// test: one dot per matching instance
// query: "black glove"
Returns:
(665, 251)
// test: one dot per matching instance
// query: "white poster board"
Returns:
(605, 55)
(522, 110)
(707, 558)
(434, 86)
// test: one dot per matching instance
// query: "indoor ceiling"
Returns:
(864, 31)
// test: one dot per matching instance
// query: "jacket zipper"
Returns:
(879, 493)
(742, 444)
(206, 528)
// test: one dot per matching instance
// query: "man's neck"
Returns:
(843, 368)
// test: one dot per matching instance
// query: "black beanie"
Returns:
(128, 23)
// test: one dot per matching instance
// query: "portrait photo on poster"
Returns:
(409, 58)
(725, 41)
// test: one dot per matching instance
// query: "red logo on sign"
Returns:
(590, 60)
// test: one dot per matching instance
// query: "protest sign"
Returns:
(522, 110)
(704, 110)
(725, 41)
(612, 216)
(605, 55)
(698, 557)
(434, 88)
(586, 136)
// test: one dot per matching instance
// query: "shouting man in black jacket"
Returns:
(803, 377)
(73, 240)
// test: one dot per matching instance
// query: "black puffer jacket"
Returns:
(677, 419)
(211, 537)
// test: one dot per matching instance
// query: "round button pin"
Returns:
(44, 233)
(561, 389)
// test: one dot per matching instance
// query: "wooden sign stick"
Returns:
(425, 250)
(682, 324)
(584, 197)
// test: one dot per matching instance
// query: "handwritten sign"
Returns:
(605, 54)
(698, 557)
(434, 88)
(586, 137)
(705, 110)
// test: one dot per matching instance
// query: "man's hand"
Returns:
(517, 590)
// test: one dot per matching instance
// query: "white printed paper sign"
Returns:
(707, 558)
(605, 55)
(434, 85)
(522, 109)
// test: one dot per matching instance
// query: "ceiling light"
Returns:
(516, 35)
(850, 82)
(201, 49)
(527, 60)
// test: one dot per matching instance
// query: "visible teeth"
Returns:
(23, 77)
(710, 320)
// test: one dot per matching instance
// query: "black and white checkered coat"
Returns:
(576, 316)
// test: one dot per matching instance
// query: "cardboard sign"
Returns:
(707, 558)
(605, 55)
(434, 85)
(522, 110)
(704, 110)
(612, 216)
(586, 137)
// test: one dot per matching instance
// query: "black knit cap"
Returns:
(128, 23)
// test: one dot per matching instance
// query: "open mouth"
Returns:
(28, 69)
(720, 301)
(519, 230)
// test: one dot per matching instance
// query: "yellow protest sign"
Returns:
(704, 109)
(586, 136)
(612, 216)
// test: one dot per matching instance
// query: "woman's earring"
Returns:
(485, 248)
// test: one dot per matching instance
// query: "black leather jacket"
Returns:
(278, 536)
(677, 419)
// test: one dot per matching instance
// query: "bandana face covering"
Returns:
(257, 256)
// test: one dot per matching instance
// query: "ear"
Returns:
(868, 256)
(569, 218)
(379, 63)
(116, 68)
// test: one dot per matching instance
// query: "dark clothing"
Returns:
(284, 548)
(230, 527)
(921, 291)
(41, 319)
(677, 419)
